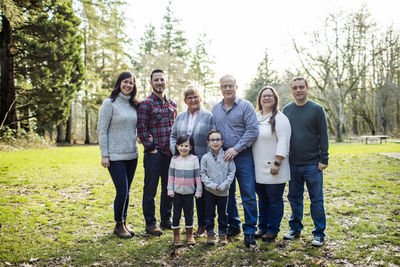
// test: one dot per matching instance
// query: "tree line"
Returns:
(354, 70)
(60, 58)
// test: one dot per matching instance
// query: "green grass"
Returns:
(56, 209)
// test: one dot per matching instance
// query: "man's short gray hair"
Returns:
(227, 77)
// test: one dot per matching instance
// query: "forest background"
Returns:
(61, 58)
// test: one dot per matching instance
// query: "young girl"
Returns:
(183, 182)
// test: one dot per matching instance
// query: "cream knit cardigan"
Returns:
(268, 145)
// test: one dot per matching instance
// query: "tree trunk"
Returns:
(68, 128)
(8, 114)
(339, 130)
(355, 124)
(87, 136)
(60, 133)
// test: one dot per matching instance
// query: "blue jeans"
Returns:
(122, 173)
(221, 202)
(156, 165)
(246, 179)
(313, 177)
(270, 206)
(185, 203)
(201, 211)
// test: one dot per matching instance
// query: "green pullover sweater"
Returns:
(309, 140)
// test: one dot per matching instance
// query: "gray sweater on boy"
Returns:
(117, 129)
(217, 173)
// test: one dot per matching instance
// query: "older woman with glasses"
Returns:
(270, 152)
(196, 122)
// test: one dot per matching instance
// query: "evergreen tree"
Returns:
(104, 56)
(202, 72)
(149, 44)
(147, 59)
(173, 55)
(47, 65)
(11, 16)
(265, 76)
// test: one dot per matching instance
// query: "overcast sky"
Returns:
(240, 31)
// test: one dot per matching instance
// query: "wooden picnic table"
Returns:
(367, 138)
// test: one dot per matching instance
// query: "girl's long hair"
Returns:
(117, 89)
(275, 108)
(182, 139)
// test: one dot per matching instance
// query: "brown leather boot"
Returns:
(189, 236)
(120, 231)
(200, 231)
(128, 229)
(153, 230)
(210, 239)
(177, 237)
(223, 239)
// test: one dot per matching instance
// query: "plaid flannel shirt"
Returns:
(155, 118)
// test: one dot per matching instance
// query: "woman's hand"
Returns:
(105, 162)
(274, 170)
(277, 164)
(171, 195)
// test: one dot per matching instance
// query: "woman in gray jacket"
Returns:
(196, 122)
(119, 151)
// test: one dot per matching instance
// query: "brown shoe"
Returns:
(166, 225)
(210, 239)
(200, 231)
(128, 229)
(177, 237)
(153, 230)
(260, 233)
(189, 236)
(268, 237)
(120, 231)
(223, 239)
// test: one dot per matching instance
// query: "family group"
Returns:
(201, 155)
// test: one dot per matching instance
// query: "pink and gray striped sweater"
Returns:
(184, 176)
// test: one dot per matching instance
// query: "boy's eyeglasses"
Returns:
(215, 140)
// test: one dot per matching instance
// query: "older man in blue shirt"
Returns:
(237, 121)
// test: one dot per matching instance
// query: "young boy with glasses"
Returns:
(217, 176)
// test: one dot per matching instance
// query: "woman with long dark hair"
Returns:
(117, 139)
(271, 163)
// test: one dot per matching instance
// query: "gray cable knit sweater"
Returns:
(117, 129)
(217, 173)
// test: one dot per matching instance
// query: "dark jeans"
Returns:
(270, 206)
(212, 201)
(186, 203)
(312, 176)
(156, 165)
(122, 173)
(246, 178)
(201, 211)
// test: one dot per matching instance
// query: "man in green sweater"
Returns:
(308, 157)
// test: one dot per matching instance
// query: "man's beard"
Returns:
(158, 90)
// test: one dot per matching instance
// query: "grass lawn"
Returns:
(56, 209)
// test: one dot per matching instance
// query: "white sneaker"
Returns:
(291, 235)
(318, 241)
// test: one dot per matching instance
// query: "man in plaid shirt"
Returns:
(155, 118)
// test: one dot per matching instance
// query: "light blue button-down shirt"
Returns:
(238, 125)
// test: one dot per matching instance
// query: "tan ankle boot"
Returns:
(120, 231)
(189, 236)
(177, 237)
